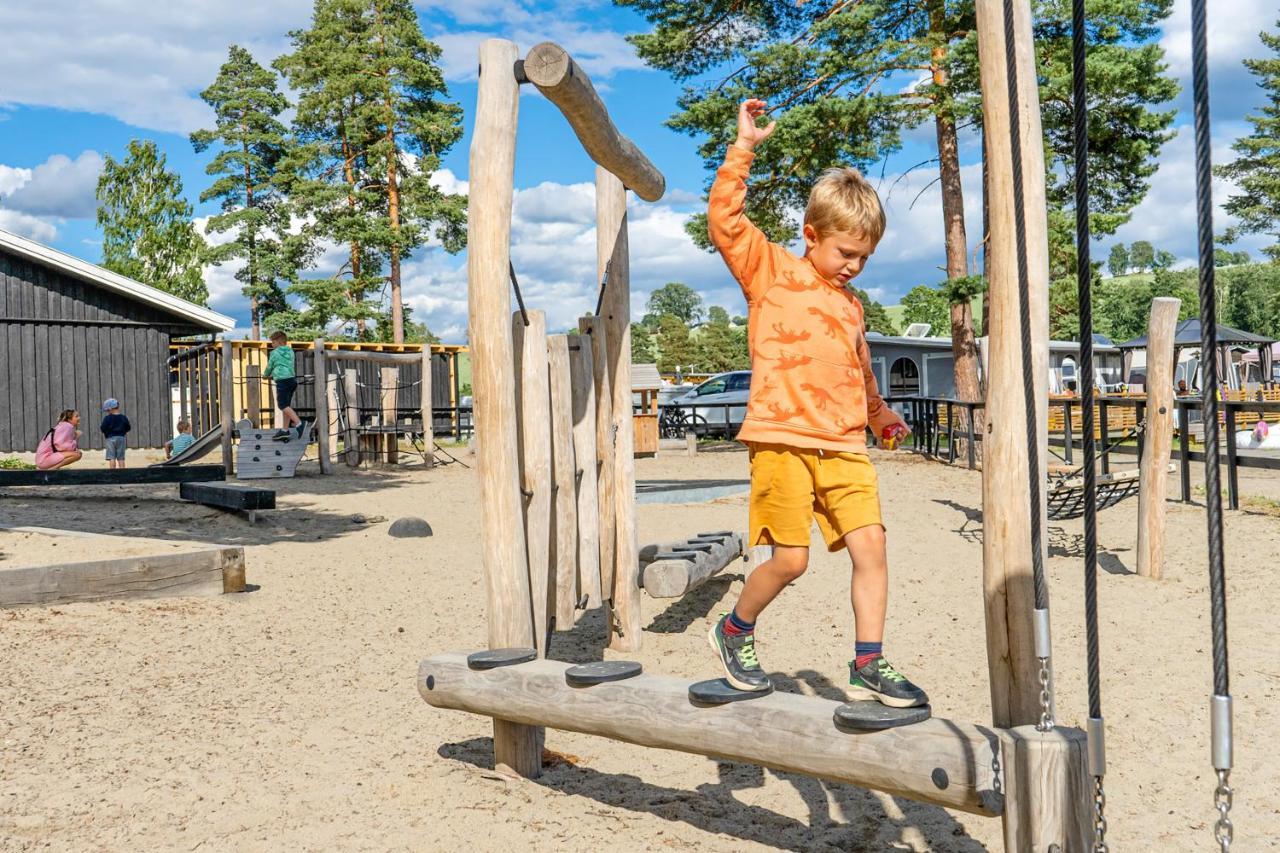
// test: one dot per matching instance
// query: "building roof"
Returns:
(108, 280)
(644, 377)
(1187, 334)
(1100, 343)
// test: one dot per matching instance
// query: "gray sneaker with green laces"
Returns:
(878, 680)
(738, 657)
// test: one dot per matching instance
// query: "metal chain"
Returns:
(1099, 816)
(1223, 831)
(1046, 698)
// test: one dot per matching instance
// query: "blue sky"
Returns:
(83, 77)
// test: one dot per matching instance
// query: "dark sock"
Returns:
(864, 653)
(735, 625)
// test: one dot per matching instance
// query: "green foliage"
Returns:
(873, 312)
(1122, 307)
(1226, 258)
(13, 463)
(678, 300)
(147, 232)
(1142, 256)
(722, 347)
(924, 304)
(644, 349)
(675, 346)
(1118, 260)
(247, 105)
(1257, 167)
(1249, 298)
(717, 316)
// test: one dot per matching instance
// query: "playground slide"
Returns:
(201, 446)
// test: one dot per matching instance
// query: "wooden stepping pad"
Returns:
(868, 715)
(599, 672)
(494, 658)
(717, 691)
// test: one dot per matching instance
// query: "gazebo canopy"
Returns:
(1187, 334)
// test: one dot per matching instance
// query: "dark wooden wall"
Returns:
(70, 344)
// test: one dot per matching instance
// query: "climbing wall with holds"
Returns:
(259, 455)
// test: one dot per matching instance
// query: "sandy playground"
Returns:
(286, 718)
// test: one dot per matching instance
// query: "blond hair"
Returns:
(843, 200)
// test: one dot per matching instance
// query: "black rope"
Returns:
(604, 282)
(1024, 309)
(511, 269)
(1084, 276)
(1209, 349)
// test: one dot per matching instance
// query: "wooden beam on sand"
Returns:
(938, 761)
(208, 572)
(550, 67)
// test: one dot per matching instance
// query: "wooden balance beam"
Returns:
(938, 761)
(671, 570)
(118, 477)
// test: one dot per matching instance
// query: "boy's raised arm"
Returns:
(744, 247)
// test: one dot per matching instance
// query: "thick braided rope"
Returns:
(1084, 275)
(1209, 348)
(1024, 309)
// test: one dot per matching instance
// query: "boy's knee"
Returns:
(792, 563)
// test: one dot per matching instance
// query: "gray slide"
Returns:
(198, 449)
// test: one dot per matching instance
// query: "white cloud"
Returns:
(1231, 34)
(25, 225)
(11, 178)
(59, 187)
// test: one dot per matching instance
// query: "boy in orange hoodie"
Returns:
(812, 398)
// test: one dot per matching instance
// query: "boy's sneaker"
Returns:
(282, 435)
(878, 680)
(738, 657)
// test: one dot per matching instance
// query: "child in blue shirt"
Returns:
(114, 428)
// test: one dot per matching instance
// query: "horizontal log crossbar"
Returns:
(118, 477)
(938, 761)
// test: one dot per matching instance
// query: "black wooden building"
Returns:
(73, 334)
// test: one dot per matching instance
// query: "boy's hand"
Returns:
(749, 136)
(893, 435)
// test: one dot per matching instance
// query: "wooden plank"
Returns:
(227, 408)
(106, 477)
(594, 332)
(228, 495)
(937, 761)
(612, 253)
(492, 174)
(550, 67)
(351, 390)
(533, 395)
(1154, 482)
(583, 390)
(1048, 790)
(253, 388)
(389, 384)
(393, 359)
(322, 385)
(1007, 554)
(38, 420)
(564, 513)
(426, 402)
(209, 572)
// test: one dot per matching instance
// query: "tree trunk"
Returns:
(393, 210)
(964, 348)
(255, 320)
(349, 175)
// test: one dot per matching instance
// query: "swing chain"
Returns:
(1099, 817)
(1046, 699)
(1223, 831)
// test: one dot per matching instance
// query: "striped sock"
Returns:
(864, 653)
(735, 625)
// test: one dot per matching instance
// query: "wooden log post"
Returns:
(320, 386)
(351, 390)
(516, 748)
(613, 253)
(564, 512)
(428, 413)
(331, 397)
(533, 399)
(1046, 787)
(389, 385)
(253, 393)
(584, 453)
(1154, 479)
(594, 330)
(550, 67)
(227, 404)
(673, 573)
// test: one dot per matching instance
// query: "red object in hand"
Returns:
(891, 435)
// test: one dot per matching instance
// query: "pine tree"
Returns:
(675, 347)
(247, 104)
(644, 349)
(147, 232)
(375, 102)
(1257, 168)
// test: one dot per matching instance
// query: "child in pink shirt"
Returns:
(60, 446)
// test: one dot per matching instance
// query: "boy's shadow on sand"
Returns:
(859, 823)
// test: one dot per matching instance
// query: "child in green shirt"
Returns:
(280, 368)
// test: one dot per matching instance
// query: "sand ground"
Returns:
(287, 718)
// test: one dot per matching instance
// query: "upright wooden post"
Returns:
(612, 253)
(517, 748)
(389, 385)
(1046, 803)
(227, 405)
(320, 386)
(428, 415)
(351, 390)
(533, 400)
(1154, 479)
(585, 465)
(253, 393)
(564, 515)
(331, 397)
(595, 333)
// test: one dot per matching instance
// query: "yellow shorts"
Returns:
(791, 486)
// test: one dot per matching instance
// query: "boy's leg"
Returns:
(291, 417)
(771, 577)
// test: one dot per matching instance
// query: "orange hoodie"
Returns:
(811, 379)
